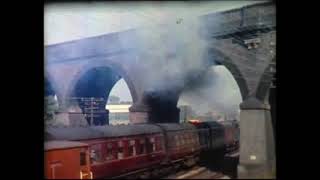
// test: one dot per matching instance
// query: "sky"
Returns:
(121, 90)
(65, 22)
(221, 93)
(71, 21)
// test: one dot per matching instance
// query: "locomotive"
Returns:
(133, 151)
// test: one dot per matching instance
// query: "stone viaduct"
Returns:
(243, 40)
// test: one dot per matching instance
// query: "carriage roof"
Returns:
(93, 132)
(176, 126)
(52, 145)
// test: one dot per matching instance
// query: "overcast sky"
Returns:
(66, 22)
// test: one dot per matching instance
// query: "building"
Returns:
(118, 113)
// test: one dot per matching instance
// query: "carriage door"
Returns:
(85, 172)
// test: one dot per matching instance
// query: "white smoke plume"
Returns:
(216, 94)
(173, 51)
(170, 44)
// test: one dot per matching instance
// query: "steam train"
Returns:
(133, 151)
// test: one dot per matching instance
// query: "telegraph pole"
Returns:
(90, 106)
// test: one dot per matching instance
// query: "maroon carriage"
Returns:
(231, 135)
(117, 150)
(182, 142)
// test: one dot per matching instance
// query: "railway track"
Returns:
(182, 173)
(209, 175)
(197, 172)
(233, 154)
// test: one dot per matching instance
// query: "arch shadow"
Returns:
(111, 73)
(117, 69)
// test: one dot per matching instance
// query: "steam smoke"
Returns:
(216, 93)
(175, 52)
(176, 57)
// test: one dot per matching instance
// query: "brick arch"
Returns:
(265, 82)
(114, 67)
(53, 85)
(222, 59)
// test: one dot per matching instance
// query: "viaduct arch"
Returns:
(246, 55)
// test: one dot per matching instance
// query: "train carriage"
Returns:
(182, 142)
(117, 150)
(231, 136)
(139, 150)
(220, 141)
(61, 157)
(211, 134)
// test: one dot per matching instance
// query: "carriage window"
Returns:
(195, 139)
(83, 161)
(191, 138)
(179, 140)
(120, 150)
(149, 144)
(176, 138)
(132, 149)
(182, 139)
(188, 138)
(95, 153)
(153, 143)
(140, 147)
(159, 143)
(110, 155)
(173, 141)
(185, 138)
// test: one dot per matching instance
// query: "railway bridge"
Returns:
(243, 40)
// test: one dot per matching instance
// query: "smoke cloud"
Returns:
(170, 44)
(218, 92)
(176, 57)
(174, 51)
